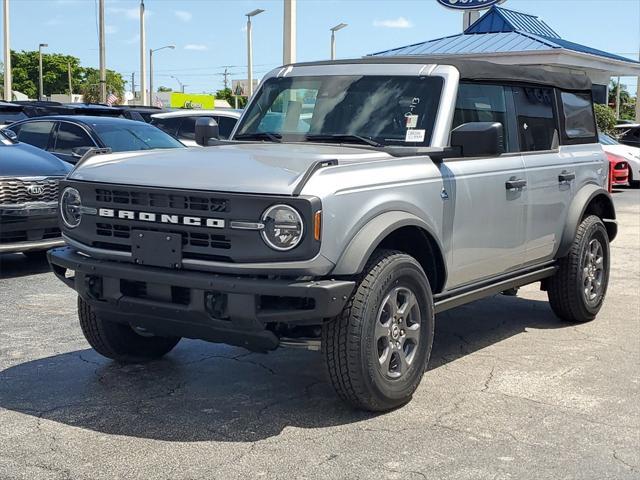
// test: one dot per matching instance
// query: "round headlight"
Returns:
(283, 227)
(70, 203)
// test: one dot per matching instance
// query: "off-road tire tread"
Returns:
(128, 347)
(345, 329)
(563, 298)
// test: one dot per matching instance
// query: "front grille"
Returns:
(161, 200)
(17, 191)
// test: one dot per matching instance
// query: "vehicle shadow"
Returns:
(14, 265)
(205, 392)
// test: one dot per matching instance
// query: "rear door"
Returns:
(37, 133)
(486, 216)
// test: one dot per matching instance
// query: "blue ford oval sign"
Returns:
(468, 4)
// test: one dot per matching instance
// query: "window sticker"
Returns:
(415, 135)
(412, 121)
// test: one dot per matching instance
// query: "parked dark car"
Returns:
(29, 198)
(629, 134)
(181, 124)
(69, 137)
(145, 112)
(11, 112)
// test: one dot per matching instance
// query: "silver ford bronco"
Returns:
(355, 200)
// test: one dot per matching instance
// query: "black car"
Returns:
(69, 137)
(140, 112)
(11, 112)
(29, 198)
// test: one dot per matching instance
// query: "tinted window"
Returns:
(35, 133)
(188, 128)
(131, 136)
(536, 122)
(482, 103)
(169, 125)
(226, 125)
(71, 136)
(579, 120)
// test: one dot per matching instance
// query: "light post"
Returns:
(180, 84)
(143, 58)
(250, 49)
(151, 69)
(40, 86)
(8, 93)
(340, 26)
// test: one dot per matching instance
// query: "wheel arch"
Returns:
(590, 200)
(396, 230)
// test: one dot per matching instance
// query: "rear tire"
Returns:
(119, 341)
(377, 349)
(577, 290)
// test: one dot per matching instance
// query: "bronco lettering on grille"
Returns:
(161, 218)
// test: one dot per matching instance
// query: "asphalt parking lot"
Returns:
(511, 393)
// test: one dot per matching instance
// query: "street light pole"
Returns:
(151, 93)
(103, 65)
(40, 82)
(143, 58)
(253, 13)
(289, 31)
(340, 26)
(180, 84)
(8, 87)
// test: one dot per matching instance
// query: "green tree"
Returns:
(227, 94)
(627, 102)
(90, 87)
(605, 118)
(164, 89)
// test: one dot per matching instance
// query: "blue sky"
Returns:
(209, 34)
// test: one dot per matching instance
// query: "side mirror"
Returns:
(79, 152)
(206, 129)
(10, 134)
(479, 139)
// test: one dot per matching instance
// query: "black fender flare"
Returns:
(366, 240)
(576, 212)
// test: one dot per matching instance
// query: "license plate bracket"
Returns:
(156, 249)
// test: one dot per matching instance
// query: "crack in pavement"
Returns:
(631, 467)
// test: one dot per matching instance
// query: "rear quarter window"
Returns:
(578, 116)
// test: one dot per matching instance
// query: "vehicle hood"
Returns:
(630, 153)
(22, 160)
(266, 168)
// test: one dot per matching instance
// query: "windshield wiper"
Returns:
(274, 137)
(344, 138)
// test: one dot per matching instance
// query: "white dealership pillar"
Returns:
(103, 62)
(289, 29)
(143, 57)
(8, 84)
(249, 15)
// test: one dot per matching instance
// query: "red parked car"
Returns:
(618, 170)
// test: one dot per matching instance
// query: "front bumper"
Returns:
(32, 226)
(219, 308)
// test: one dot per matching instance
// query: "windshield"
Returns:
(371, 110)
(131, 136)
(606, 139)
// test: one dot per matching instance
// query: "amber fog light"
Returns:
(283, 227)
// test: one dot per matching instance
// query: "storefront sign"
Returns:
(468, 4)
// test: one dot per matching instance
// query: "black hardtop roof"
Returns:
(85, 119)
(476, 70)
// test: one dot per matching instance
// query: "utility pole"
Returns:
(40, 83)
(252, 13)
(289, 40)
(103, 66)
(618, 99)
(226, 78)
(8, 87)
(143, 57)
(70, 83)
(133, 84)
(638, 84)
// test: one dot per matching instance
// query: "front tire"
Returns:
(377, 350)
(577, 290)
(119, 341)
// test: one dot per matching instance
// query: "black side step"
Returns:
(455, 298)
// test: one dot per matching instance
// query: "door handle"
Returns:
(515, 184)
(566, 176)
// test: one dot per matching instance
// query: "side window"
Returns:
(579, 119)
(35, 133)
(482, 103)
(187, 128)
(536, 121)
(71, 136)
(167, 125)
(226, 125)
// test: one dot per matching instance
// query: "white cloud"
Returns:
(110, 29)
(183, 15)
(399, 22)
(196, 46)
